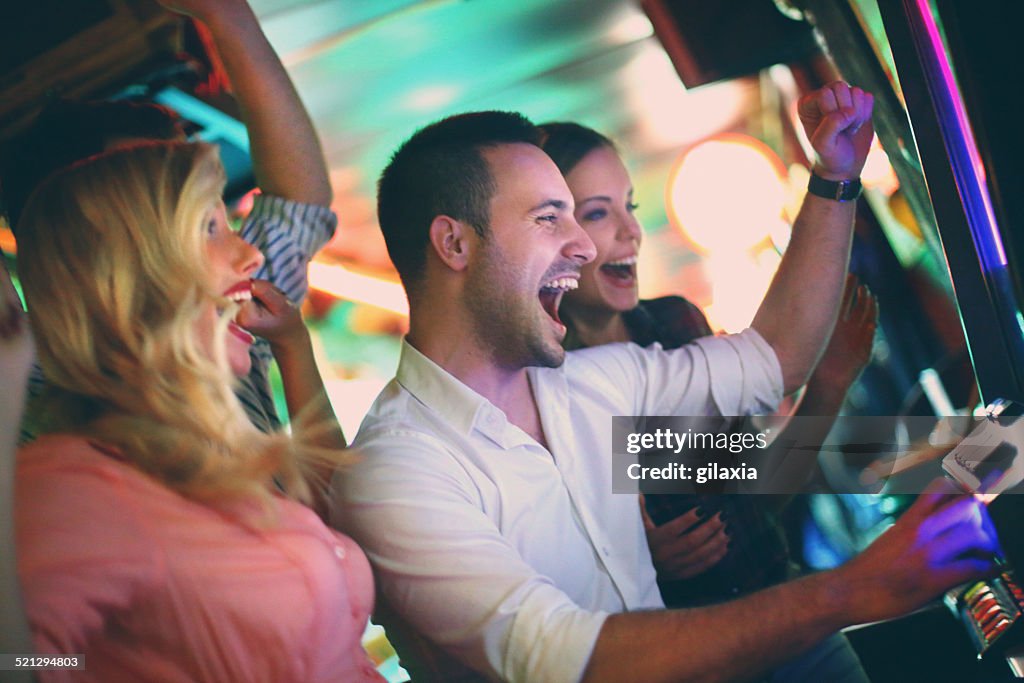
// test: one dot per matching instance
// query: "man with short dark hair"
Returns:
(484, 493)
(441, 170)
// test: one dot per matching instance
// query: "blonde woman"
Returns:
(158, 532)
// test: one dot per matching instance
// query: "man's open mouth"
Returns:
(551, 294)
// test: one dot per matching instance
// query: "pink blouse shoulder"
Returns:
(152, 586)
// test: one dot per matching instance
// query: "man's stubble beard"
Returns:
(507, 327)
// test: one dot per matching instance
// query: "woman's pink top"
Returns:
(151, 586)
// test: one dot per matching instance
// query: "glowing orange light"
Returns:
(738, 284)
(336, 280)
(7, 242)
(878, 172)
(727, 193)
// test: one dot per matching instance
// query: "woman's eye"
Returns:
(632, 206)
(211, 227)
(595, 215)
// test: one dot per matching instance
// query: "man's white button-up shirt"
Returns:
(507, 554)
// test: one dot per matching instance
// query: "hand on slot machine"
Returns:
(942, 540)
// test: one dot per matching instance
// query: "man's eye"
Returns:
(549, 218)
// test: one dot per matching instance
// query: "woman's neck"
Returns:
(594, 328)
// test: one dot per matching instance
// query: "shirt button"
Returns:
(340, 552)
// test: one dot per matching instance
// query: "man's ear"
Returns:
(449, 239)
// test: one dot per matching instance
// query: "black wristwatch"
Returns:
(839, 190)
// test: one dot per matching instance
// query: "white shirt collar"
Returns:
(462, 407)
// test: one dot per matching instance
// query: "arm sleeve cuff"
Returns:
(288, 234)
(753, 377)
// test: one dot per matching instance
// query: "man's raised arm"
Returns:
(801, 306)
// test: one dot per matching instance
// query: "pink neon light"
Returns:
(935, 41)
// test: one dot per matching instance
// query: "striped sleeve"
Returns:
(253, 390)
(289, 234)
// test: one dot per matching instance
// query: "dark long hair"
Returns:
(567, 143)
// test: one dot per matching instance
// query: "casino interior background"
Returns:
(700, 98)
(370, 73)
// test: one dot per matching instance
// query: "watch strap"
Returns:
(838, 190)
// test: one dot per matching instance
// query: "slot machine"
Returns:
(941, 68)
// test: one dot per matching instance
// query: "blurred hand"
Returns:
(271, 315)
(201, 9)
(16, 354)
(939, 542)
(685, 547)
(837, 120)
(849, 350)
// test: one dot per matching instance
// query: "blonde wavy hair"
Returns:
(112, 262)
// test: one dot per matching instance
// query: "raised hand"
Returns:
(685, 547)
(837, 120)
(849, 349)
